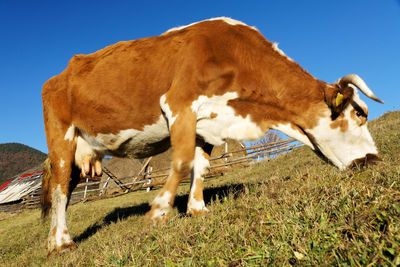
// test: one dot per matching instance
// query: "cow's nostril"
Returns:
(369, 159)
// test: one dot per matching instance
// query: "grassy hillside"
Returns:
(295, 210)
(16, 158)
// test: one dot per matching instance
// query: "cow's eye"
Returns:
(359, 114)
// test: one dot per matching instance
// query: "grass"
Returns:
(294, 210)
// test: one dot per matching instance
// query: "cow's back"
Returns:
(119, 87)
(117, 90)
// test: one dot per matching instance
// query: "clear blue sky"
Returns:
(328, 38)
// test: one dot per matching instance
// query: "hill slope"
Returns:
(16, 158)
(294, 210)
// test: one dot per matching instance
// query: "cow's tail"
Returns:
(45, 200)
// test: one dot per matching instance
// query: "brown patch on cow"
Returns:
(198, 193)
(213, 115)
(55, 118)
(341, 123)
(183, 141)
(361, 120)
(63, 248)
(330, 98)
(197, 213)
(54, 231)
(82, 91)
(353, 115)
(206, 155)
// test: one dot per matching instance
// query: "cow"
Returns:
(190, 88)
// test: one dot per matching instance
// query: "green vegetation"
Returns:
(294, 210)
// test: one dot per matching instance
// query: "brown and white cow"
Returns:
(190, 87)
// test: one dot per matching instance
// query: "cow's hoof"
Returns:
(196, 207)
(61, 249)
(157, 216)
(197, 212)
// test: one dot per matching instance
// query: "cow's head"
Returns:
(342, 135)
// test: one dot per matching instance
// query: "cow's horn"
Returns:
(355, 80)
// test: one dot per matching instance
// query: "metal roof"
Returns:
(20, 187)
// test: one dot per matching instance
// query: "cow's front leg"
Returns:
(196, 205)
(183, 139)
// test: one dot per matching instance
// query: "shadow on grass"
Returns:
(119, 214)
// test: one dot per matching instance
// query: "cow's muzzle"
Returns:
(369, 159)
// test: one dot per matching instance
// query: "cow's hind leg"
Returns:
(60, 178)
(183, 139)
(196, 205)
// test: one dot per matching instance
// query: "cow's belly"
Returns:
(153, 139)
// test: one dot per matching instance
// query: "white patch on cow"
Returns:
(58, 220)
(164, 205)
(277, 49)
(134, 141)
(167, 111)
(164, 200)
(289, 131)
(150, 134)
(242, 129)
(70, 134)
(62, 162)
(229, 21)
(343, 147)
(201, 163)
(326, 138)
(200, 167)
(196, 206)
(226, 124)
(225, 19)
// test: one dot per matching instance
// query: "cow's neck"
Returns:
(291, 106)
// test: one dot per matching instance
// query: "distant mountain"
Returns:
(16, 158)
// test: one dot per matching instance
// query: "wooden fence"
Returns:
(151, 178)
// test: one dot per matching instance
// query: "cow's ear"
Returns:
(338, 98)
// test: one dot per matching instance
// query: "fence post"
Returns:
(226, 154)
(149, 179)
(104, 186)
(84, 194)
